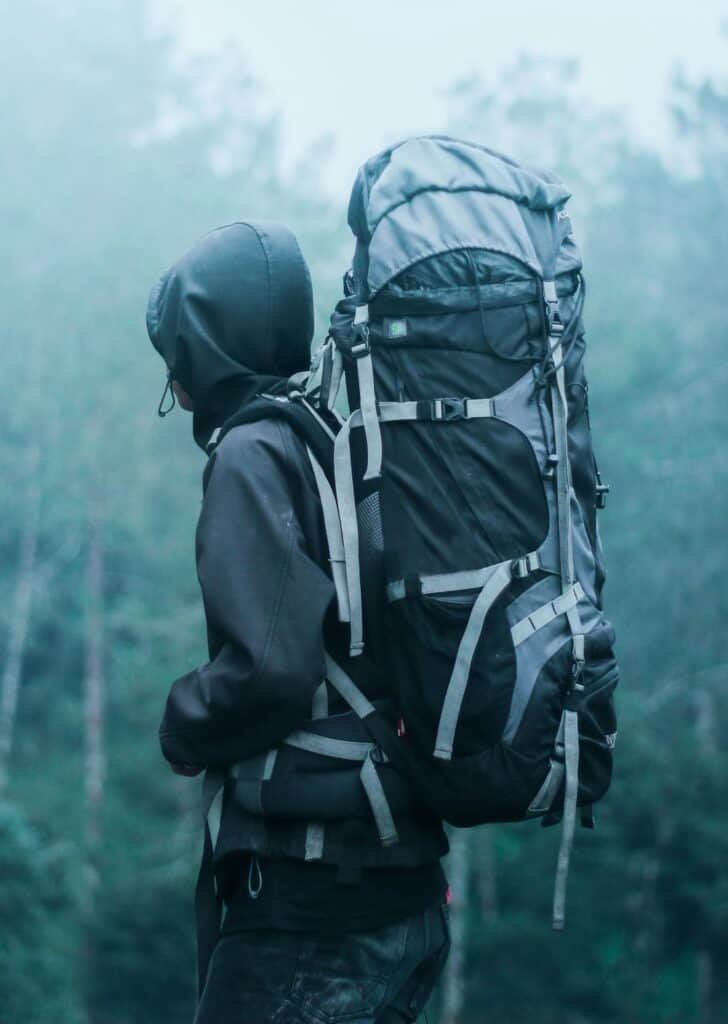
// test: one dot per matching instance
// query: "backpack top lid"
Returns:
(434, 194)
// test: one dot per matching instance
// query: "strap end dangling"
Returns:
(161, 412)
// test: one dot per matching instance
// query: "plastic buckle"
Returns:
(450, 409)
(578, 663)
(412, 586)
(361, 347)
(552, 462)
(519, 568)
(554, 322)
(602, 492)
(523, 567)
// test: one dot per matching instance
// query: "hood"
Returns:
(233, 317)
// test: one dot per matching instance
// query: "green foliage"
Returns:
(38, 964)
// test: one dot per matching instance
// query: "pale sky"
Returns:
(372, 71)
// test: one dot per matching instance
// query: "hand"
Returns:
(190, 770)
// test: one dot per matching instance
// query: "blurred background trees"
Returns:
(116, 159)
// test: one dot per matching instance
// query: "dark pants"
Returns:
(379, 977)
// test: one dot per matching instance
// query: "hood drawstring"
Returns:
(167, 388)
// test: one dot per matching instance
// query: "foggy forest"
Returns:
(116, 158)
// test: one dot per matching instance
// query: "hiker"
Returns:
(327, 917)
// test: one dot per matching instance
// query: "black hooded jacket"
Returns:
(233, 318)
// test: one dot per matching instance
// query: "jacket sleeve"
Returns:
(265, 602)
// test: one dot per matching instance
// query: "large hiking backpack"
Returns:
(466, 550)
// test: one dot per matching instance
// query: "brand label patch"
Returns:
(396, 328)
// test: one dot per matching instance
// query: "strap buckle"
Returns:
(556, 324)
(412, 586)
(578, 661)
(360, 347)
(602, 490)
(551, 300)
(449, 409)
(523, 567)
(552, 461)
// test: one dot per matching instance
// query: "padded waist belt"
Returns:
(321, 796)
(311, 776)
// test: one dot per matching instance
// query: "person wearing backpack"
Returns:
(321, 894)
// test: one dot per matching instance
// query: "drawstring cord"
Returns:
(255, 877)
(161, 412)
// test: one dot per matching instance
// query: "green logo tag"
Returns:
(397, 329)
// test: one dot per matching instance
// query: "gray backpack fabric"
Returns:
(462, 523)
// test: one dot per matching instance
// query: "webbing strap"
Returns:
(352, 695)
(571, 760)
(319, 419)
(370, 419)
(346, 503)
(498, 580)
(378, 802)
(314, 849)
(249, 776)
(328, 746)
(469, 579)
(548, 792)
(546, 613)
(208, 900)
(337, 371)
(314, 843)
(444, 409)
(320, 703)
(334, 539)
(270, 763)
(560, 411)
(347, 689)
(332, 368)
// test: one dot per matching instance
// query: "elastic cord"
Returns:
(167, 388)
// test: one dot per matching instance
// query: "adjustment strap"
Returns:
(334, 538)
(560, 417)
(347, 689)
(446, 410)
(541, 803)
(468, 579)
(498, 579)
(362, 353)
(208, 899)
(328, 746)
(346, 502)
(320, 703)
(571, 761)
(378, 802)
(249, 776)
(546, 613)
(314, 842)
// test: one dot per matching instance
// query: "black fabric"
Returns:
(296, 412)
(429, 630)
(266, 598)
(310, 897)
(471, 487)
(233, 317)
